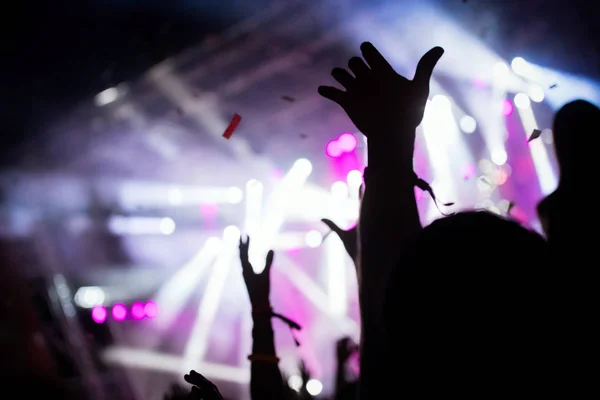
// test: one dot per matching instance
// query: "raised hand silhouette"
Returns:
(258, 285)
(349, 238)
(203, 389)
(377, 97)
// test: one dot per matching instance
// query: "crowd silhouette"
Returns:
(474, 304)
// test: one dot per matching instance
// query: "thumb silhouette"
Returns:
(425, 68)
(349, 238)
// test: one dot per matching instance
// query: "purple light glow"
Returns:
(99, 314)
(507, 107)
(479, 83)
(119, 312)
(333, 149)
(208, 210)
(150, 309)
(347, 142)
(137, 311)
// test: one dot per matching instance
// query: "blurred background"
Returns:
(121, 202)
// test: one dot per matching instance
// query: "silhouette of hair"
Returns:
(572, 136)
(467, 301)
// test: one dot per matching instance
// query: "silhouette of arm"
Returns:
(265, 377)
(386, 107)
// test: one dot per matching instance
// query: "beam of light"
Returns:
(254, 200)
(204, 111)
(546, 176)
(523, 68)
(157, 194)
(313, 203)
(441, 133)
(175, 293)
(196, 346)
(289, 241)
(569, 88)
(336, 264)
(315, 295)
(120, 225)
(155, 361)
(469, 55)
(283, 199)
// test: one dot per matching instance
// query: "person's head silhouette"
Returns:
(467, 306)
(576, 129)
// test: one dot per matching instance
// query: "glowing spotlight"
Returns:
(441, 101)
(137, 311)
(333, 149)
(519, 65)
(347, 142)
(500, 70)
(119, 312)
(234, 195)
(499, 157)
(89, 296)
(304, 166)
(99, 314)
(107, 96)
(231, 233)
(314, 387)
(175, 197)
(536, 93)
(339, 190)
(166, 226)
(522, 101)
(507, 107)
(295, 382)
(468, 124)
(150, 309)
(354, 178)
(313, 239)
(213, 243)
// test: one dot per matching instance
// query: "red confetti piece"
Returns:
(235, 121)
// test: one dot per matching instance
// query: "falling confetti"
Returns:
(534, 135)
(303, 136)
(235, 121)
(288, 98)
(553, 85)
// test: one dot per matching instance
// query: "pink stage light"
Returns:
(333, 149)
(507, 107)
(99, 314)
(208, 210)
(150, 309)
(137, 311)
(347, 142)
(119, 312)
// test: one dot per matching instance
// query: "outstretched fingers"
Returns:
(425, 67)
(334, 94)
(244, 246)
(373, 57)
(269, 261)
